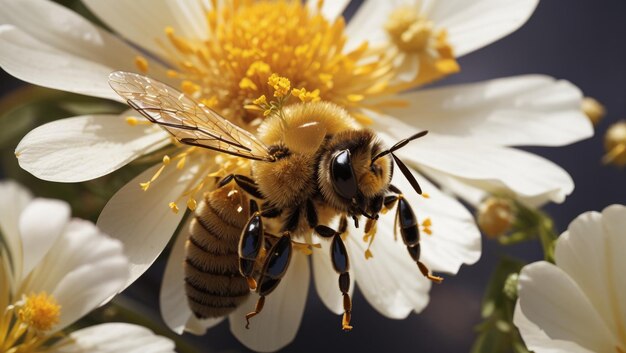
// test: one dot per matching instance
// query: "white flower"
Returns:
(468, 150)
(53, 271)
(579, 304)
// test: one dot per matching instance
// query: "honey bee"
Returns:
(309, 165)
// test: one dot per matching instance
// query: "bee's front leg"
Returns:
(407, 222)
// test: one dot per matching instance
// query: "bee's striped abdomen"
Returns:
(213, 284)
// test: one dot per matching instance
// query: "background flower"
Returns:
(55, 270)
(578, 305)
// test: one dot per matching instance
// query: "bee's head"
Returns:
(356, 171)
(350, 178)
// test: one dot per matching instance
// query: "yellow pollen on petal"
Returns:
(425, 195)
(40, 311)
(173, 206)
(141, 63)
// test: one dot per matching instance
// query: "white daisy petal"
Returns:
(591, 252)
(455, 238)
(326, 278)
(277, 325)
(65, 30)
(491, 168)
(390, 280)
(472, 25)
(82, 148)
(550, 298)
(614, 222)
(173, 301)
(82, 269)
(521, 110)
(537, 340)
(113, 338)
(41, 224)
(142, 219)
(331, 10)
(15, 198)
(143, 22)
(36, 62)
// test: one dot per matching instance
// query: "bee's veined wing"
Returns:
(187, 120)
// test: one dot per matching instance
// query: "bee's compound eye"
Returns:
(342, 175)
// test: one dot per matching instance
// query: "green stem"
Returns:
(547, 236)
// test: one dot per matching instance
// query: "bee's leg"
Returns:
(245, 183)
(250, 244)
(274, 268)
(341, 264)
(411, 235)
(269, 211)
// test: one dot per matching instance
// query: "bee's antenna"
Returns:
(403, 168)
(399, 145)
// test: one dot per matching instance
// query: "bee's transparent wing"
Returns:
(188, 121)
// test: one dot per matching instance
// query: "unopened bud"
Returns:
(594, 110)
(496, 216)
(615, 144)
(510, 286)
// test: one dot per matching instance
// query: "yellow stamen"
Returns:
(189, 87)
(173, 206)
(306, 96)
(40, 311)
(141, 63)
(247, 83)
(425, 195)
(280, 84)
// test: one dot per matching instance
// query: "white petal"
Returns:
(472, 25)
(13, 200)
(41, 224)
(368, 22)
(390, 280)
(82, 269)
(536, 340)
(491, 168)
(173, 301)
(141, 219)
(85, 147)
(520, 110)
(550, 299)
(326, 278)
(55, 47)
(614, 221)
(591, 252)
(277, 325)
(143, 22)
(113, 338)
(331, 10)
(455, 238)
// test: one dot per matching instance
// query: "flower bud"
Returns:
(496, 216)
(615, 144)
(594, 110)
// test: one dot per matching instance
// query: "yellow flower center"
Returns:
(409, 31)
(40, 311)
(253, 41)
(25, 326)
(414, 34)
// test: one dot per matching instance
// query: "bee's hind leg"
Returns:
(407, 222)
(250, 244)
(274, 268)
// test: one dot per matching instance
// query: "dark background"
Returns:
(583, 41)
